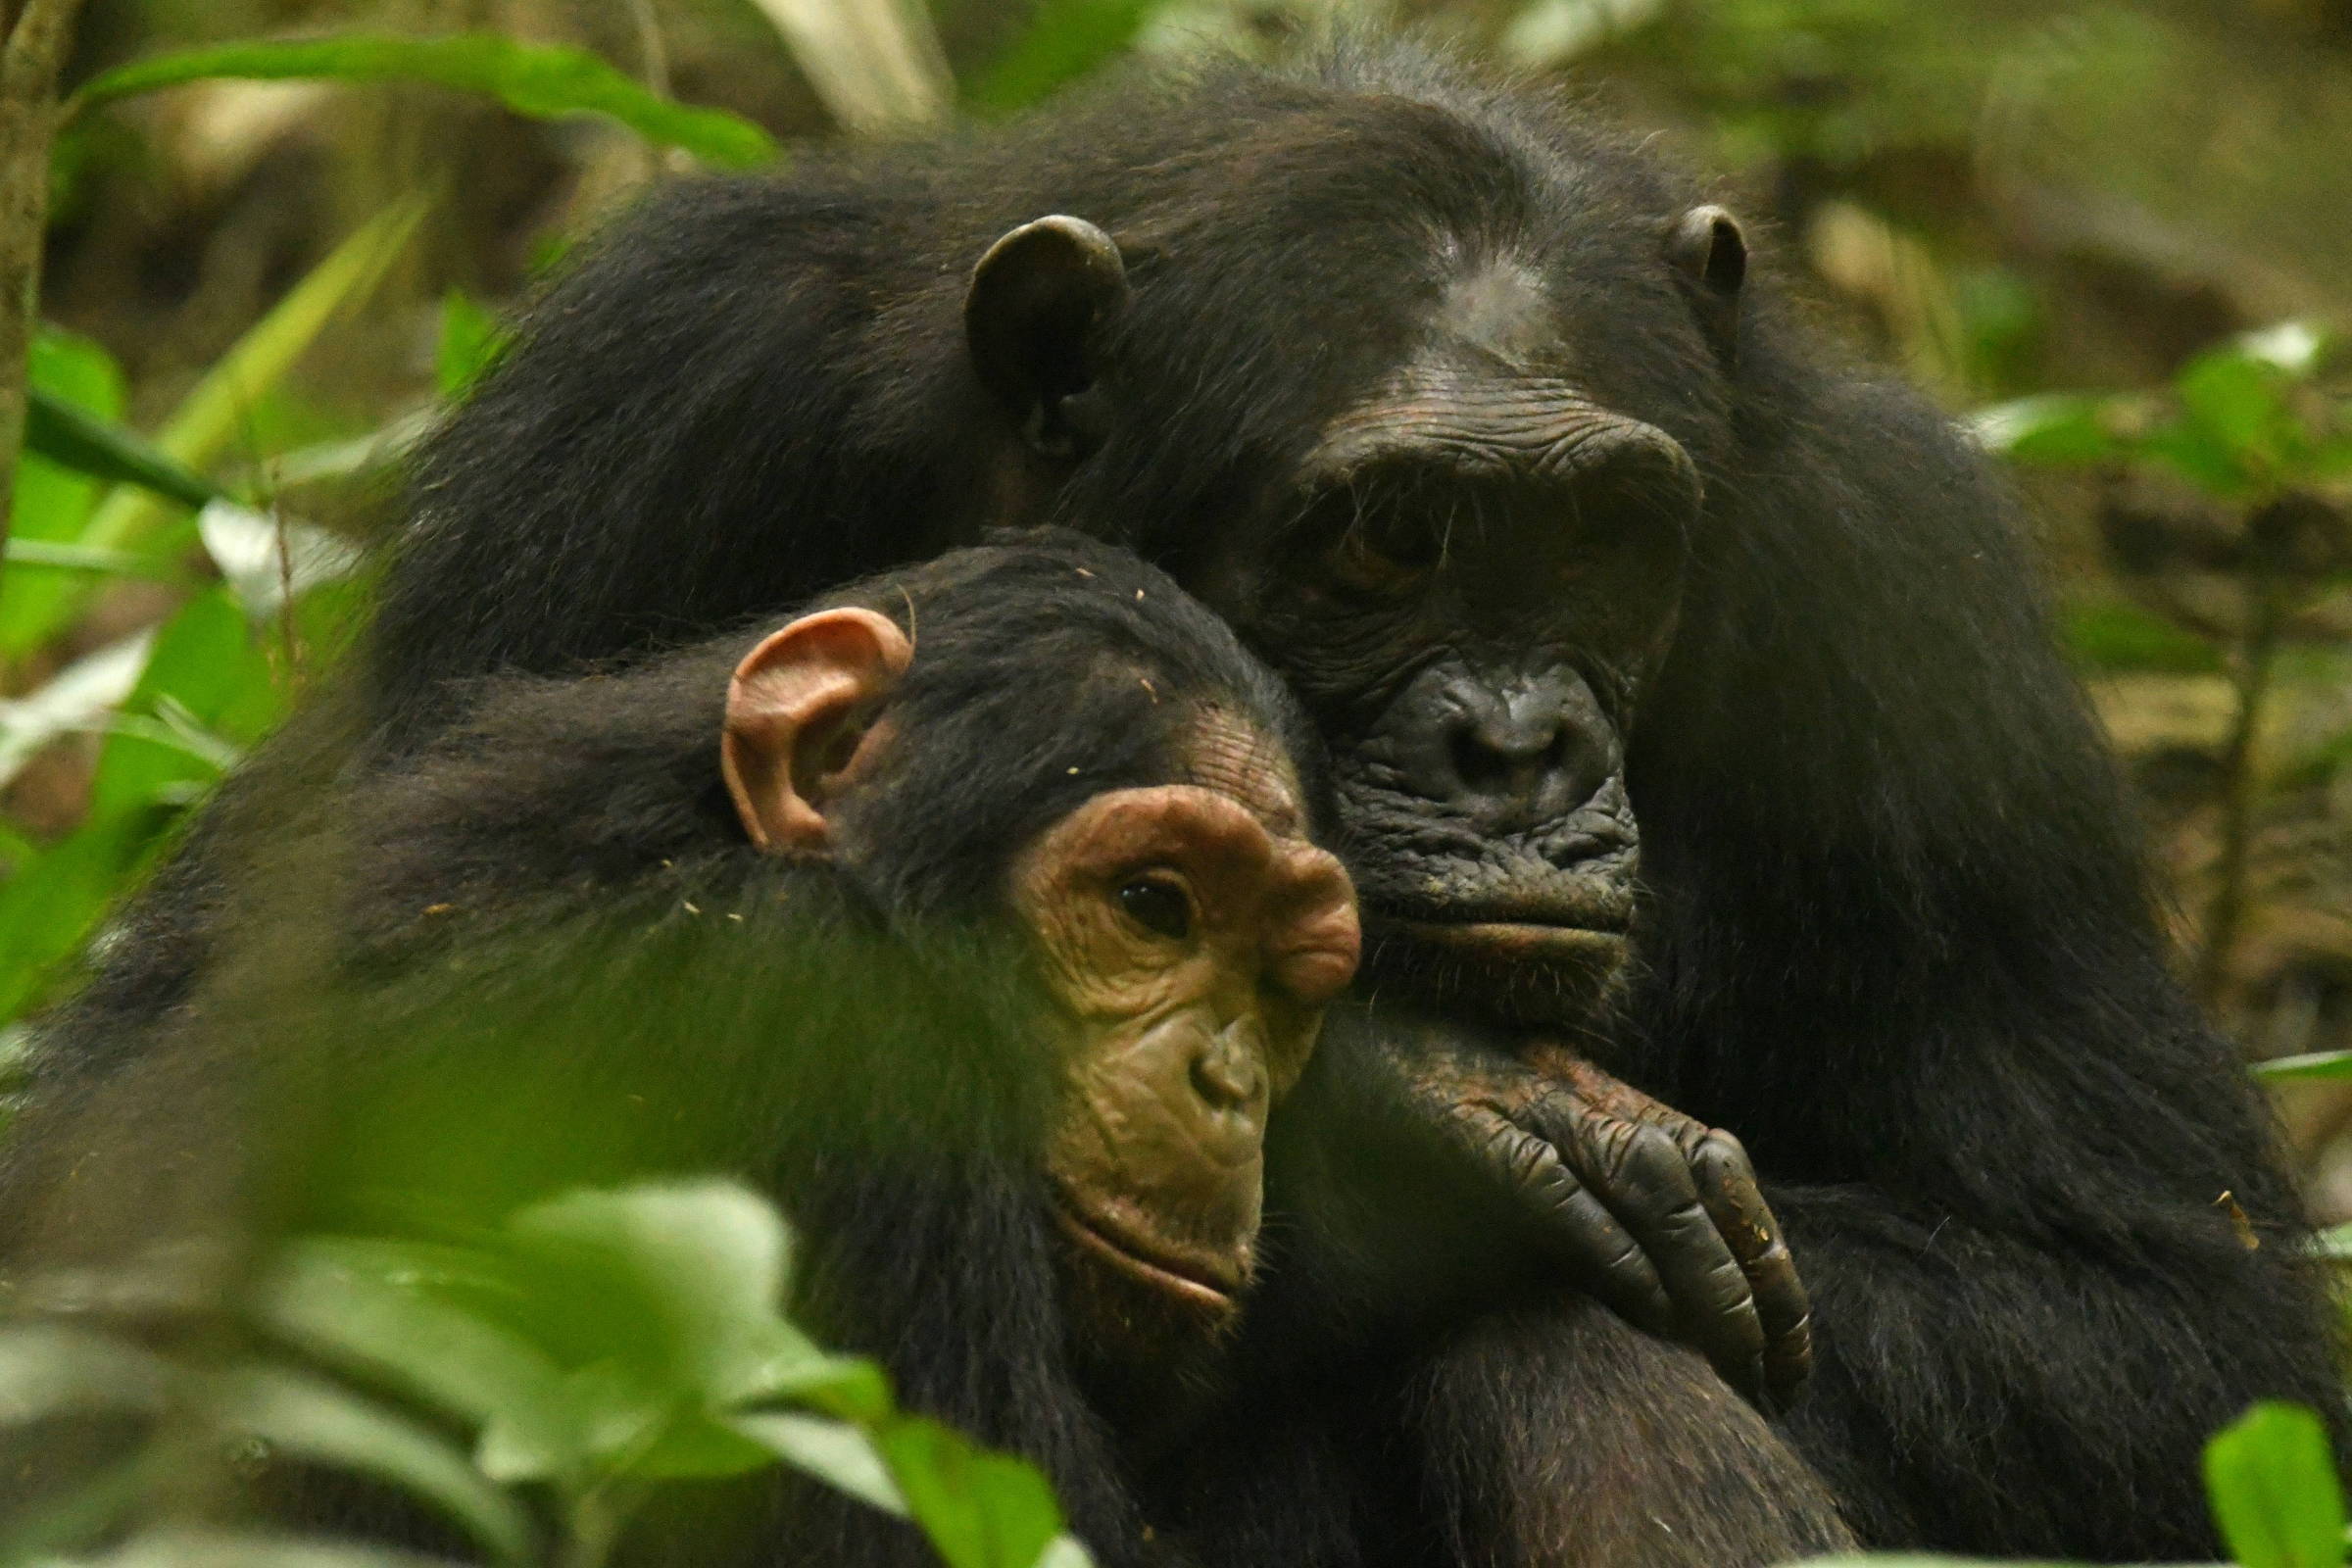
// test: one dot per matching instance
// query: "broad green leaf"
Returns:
(839, 1455)
(2271, 1481)
(205, 672)
(710, 1258)
(471, 339)
(323, 1423)
(208, 421)
(48, 1370)
(2317, 1066)
(2335, 1243)
(1063, 40)
(53, 502)
(849, 1387)
(48, 554)
(2056, 428)
(2239, 403)
(2119, 636)
(376, 1308)
(543, 82)
(980, 1509)
(2202, 458)
(76, 439)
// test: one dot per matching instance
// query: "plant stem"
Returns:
(38, 33)
(2257, 656)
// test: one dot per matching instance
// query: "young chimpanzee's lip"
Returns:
(1199, 1281)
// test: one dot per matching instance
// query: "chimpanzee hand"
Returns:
(1654, 1213)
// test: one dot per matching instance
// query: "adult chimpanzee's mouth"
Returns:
(1206, 1285)
(1541, 940)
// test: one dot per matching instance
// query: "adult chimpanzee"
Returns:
(1463, 411)
(983, 936)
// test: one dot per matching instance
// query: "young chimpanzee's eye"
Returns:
(1158, 906)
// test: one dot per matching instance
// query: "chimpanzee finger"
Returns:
(1646, 1179)
(1602, 1258)
(1728, 1186)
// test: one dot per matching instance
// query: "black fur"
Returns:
(1897, 934)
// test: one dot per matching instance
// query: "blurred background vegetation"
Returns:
(2115, 237)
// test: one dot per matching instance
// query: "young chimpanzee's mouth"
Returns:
(1204, 1284)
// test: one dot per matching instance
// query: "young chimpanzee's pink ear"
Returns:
(800, 711)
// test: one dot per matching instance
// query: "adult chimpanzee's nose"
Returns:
(1512, 753)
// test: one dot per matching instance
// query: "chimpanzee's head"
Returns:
(1056, 732)
(1448, 494)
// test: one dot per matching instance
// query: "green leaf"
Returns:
(980, 1509)
(2055, 427)
(2239, 403)
(2119, 636)
(209, 419)
(318, 1421)
(205, 672)
(376, 1308)
(90, 558)
(472, 340)
(2318, 1066)
(2202, 458)
(1063, 41)
(2271, 1481)
(53, 502)
(835, 1452)
(539, 81)
(49, 1370)
(710, 1258)
(74, 439)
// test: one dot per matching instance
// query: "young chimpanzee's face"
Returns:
(1191, 940)
(1187, 934)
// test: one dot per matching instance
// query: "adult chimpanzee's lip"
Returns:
(1204, 1283)
(1516, 939)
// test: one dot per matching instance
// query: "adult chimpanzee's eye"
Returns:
(1385, 553)
(1157, 905)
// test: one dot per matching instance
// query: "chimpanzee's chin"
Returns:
(1514, 972)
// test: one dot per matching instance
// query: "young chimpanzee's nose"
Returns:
(1510, 754)
(1229, 1072)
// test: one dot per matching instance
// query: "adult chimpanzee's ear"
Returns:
(1706, 246)
(1039, 304)
(801, 710)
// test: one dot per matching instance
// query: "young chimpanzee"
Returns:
(972, 913)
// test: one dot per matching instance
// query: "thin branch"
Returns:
(29, 62)
(2257, 657)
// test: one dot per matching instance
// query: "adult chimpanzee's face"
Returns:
(1457, 520)
(1483, 567)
